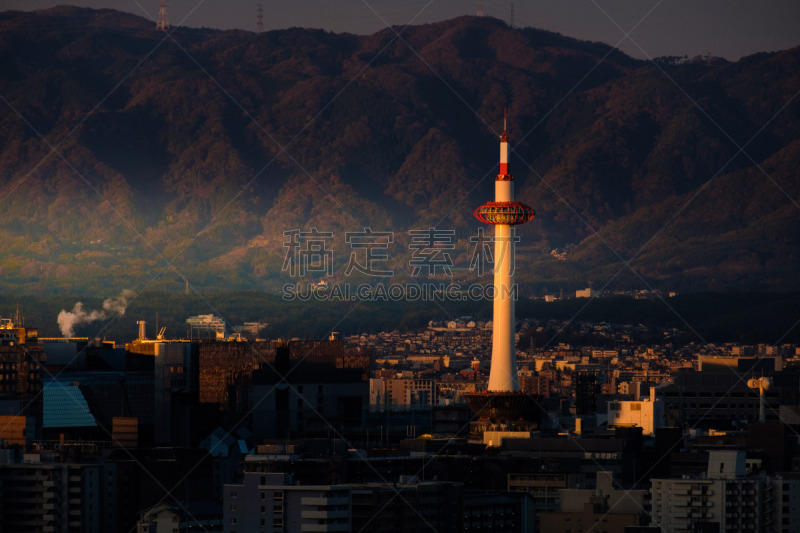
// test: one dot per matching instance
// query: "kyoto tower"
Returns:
(503, 399)
(503, 213)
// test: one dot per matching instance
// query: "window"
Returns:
(614, 406)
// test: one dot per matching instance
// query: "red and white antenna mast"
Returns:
(162, 23)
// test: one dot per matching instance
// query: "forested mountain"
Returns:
(130, 158)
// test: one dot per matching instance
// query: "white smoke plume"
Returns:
(118, 305)
(112, 307)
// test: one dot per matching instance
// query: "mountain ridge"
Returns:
(195, 152)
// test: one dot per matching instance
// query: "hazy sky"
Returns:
(727, 28)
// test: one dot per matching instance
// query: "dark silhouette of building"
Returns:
(587, 389)
(21, 361)
(313, 389)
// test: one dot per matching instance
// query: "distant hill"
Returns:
(133, 159)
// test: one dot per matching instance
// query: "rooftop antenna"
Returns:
(259, 18)
(479, 11)
(762, 384)
(162, 23)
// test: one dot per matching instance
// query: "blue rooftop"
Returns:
(65, 407)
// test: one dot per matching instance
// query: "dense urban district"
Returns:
(635, 430)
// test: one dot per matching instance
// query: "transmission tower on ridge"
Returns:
(259, 18)
(163, 23)
(479, 11)
(511, 18)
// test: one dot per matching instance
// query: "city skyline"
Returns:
(236, 185)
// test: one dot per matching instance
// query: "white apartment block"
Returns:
(647, 414)
(727, 497)
(269, 503)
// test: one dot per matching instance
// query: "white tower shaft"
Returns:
(503, 372)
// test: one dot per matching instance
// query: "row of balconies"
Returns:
(32, 478)
(702, 503)
(311, 528)
(681, 526)
(325, 501)
(324, 514)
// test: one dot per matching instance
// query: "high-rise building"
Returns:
(313, 388)
(22, 360)
(271, 502)
(587, 389)
(57, 497)
(725, 499)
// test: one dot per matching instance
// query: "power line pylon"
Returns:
(259, 18)
(163, 23)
